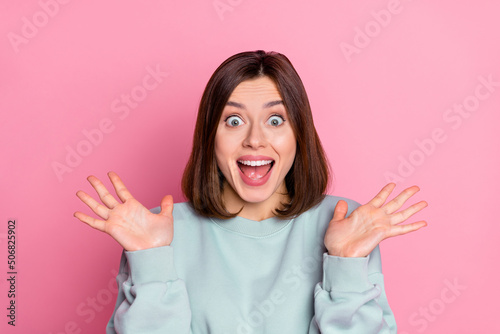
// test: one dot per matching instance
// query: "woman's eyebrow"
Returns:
(242, 106)
(273, 103)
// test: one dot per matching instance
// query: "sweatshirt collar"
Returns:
(252, 228)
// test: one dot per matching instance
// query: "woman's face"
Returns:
(255, 145)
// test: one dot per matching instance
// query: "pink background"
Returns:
(65, 67)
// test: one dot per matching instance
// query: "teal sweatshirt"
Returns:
(240, 276)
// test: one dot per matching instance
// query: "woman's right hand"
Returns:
(132, 225)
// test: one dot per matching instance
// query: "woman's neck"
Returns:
(254, 211)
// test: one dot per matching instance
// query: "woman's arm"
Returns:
(351, 298)
(151, 298)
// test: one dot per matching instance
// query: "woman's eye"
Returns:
(276, 120)
(233, 121)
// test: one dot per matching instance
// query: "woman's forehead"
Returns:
(262, 91)
(263, 86)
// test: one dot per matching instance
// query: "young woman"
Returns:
(258, 247)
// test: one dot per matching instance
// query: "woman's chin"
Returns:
(253, 195)
(240, 193)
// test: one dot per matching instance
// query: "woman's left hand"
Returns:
(359, 234)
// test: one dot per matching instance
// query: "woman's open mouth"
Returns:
(255, 172)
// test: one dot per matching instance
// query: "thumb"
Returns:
(340, 210)
(167, 205)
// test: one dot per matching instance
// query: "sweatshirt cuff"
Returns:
(347, 274)
(153, 264)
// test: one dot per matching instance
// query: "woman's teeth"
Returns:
(255, 169)
(255, 162)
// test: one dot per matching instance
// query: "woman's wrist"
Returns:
(344, 252)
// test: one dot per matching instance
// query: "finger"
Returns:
(340, 210)
(94, 205)
(103, 193)
(92, 222)
(119, 186)
(401, 216)
(167, 206)
(381, 197)
(397, 202)
(407, 228)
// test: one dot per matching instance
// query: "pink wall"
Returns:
(386, 80)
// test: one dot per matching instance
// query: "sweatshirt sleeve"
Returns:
(351, 298)
(151, 297)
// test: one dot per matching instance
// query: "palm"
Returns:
(134, 226)
(131, 224)
(358, 234)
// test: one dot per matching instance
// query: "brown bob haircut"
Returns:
(307, 180)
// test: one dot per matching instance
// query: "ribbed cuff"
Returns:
(152, 265)
(345, 273)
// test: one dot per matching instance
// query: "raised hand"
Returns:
(132, 225)
(369, 224)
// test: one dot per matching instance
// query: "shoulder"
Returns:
(181, 210)
(316, 219)
(352, 204)
(327, 206)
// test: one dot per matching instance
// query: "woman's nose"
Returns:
(256, 137)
